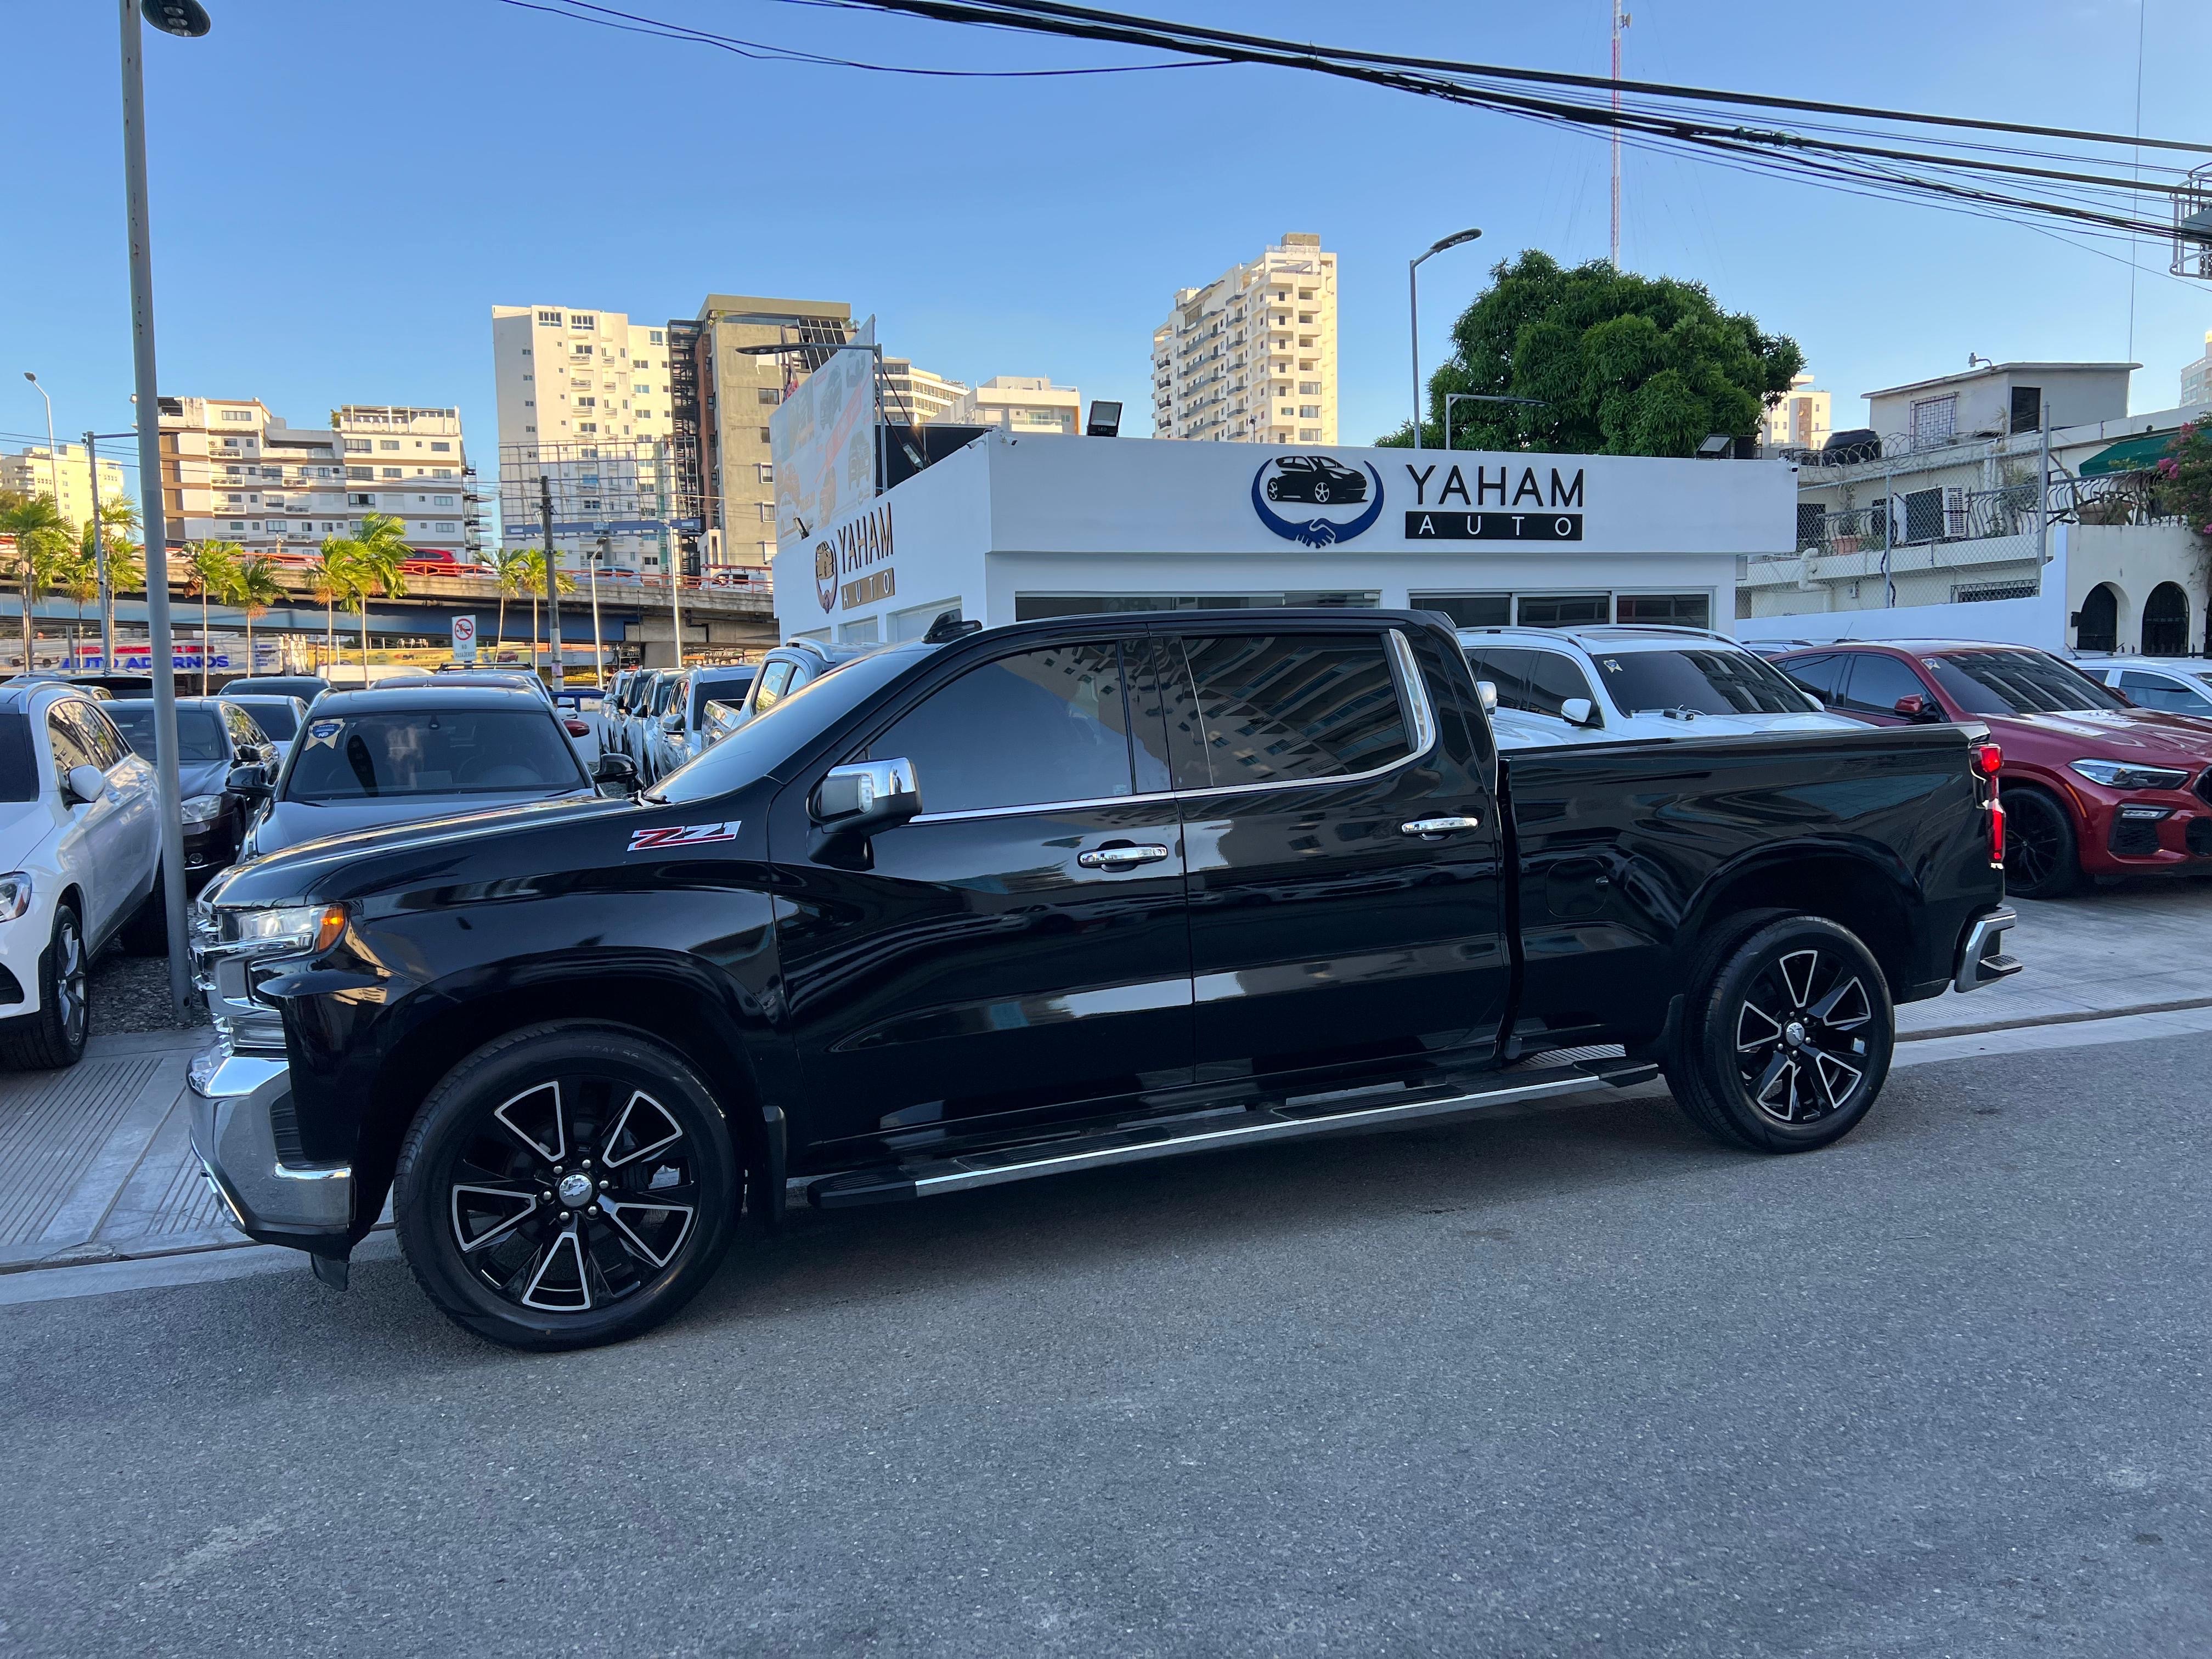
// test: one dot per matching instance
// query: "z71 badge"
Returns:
(682, 834)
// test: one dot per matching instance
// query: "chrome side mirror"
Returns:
(867, 796)
(1579, 711)
(1488, 692)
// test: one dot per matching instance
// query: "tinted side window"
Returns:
(100, 735)
(1041, 726)
(70, 749)
(1552, 679)
(1823, 676)
(2163, 691)
(1877, 683)
(773, 680)
(1279, 707)
(1505, 667)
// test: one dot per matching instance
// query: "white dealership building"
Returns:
(1016, 527)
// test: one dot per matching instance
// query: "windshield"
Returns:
(277, 719)
(764, 742)
(2018, 682)
(1701, 681)
(427, 751)
(199, 733)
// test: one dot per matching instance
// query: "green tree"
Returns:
(511, 568)
(327, 583)
(1613, 364)
(258, 589)
(42, 543)
(371, 565)
(2186, 476)
(80, 579)
(210, 574)
(533, 576)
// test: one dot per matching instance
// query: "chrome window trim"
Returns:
(1413, 703)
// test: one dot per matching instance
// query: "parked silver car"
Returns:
(682, 734)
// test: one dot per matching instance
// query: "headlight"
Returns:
(2118, 775)
(297, 929)
(200, 809)
(15, 894)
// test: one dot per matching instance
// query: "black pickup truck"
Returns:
(1040, 899)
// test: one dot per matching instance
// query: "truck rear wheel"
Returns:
(567, 1185)
(1786, 1037)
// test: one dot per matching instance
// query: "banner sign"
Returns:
(822, 440)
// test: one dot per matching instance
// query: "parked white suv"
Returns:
(1607, 681)
(80, 842)
(2181, 685)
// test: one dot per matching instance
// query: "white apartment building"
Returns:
(584, 400)
(916, 396)
(1251, 358)
(1800, 420)
(232, 470)
(2196, 377)
(67, 477)
(1020, 403)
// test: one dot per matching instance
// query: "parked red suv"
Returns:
(2093, 784)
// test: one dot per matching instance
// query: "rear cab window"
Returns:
(1255, 709)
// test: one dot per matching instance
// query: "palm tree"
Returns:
(117, 519)
(327, 584)
(43, 539)
(211, 572)
(374, 559)
(257, 589)
(511, 568)
(80, 579)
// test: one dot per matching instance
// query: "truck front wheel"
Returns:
(1786, 1036)
(567, 1185)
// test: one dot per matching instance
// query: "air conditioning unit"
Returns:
(1936, 514)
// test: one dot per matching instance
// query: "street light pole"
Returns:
(53, 455)
(183, 17)
(1413, 312)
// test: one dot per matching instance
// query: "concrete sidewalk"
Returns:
(95, 1164)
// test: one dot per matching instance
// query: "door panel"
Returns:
(983, 961)
(1323, 934)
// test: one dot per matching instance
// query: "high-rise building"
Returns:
(232, 470)
(1800, 420)
(1021, 404)
(585, 401)
(747, 352)
(66, 476)
(2195, 377)
(916, 396)
(1251, 356)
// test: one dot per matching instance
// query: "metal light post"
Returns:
(591, 562)
(182, 17)
(1413, 310)
(53, 455)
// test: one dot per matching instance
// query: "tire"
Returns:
(477, 1197)
(1786, 1036)
(54, 1036)
(2043, 858)
(147, 933)
(1321, 493)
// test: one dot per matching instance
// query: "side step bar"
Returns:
(1137, 1143)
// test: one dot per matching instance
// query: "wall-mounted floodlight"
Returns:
(1105, 420)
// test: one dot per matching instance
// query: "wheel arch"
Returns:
(664, 1002)
(1872, 895)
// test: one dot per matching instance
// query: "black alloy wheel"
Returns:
(567, 1185)
(2041, 857)
(1788, 1035)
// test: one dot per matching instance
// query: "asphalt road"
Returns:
(1575, 1381)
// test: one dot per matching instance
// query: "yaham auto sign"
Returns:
(1014, 528)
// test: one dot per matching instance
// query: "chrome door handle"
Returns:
(1431, 827)
(1120, 858)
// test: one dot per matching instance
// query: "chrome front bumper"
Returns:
(1981, 960)
(308, 1206)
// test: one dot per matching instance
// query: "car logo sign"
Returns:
(1316, 487)
(825, 575)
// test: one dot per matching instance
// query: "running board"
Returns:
(1287, 1121)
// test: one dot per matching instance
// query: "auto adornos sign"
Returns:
(1475, 503)
(853, 563)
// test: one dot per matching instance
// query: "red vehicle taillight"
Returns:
(1988, 757)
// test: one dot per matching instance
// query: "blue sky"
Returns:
(341, 193)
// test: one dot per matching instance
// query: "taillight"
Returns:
(1987, 758)
(1997, 832)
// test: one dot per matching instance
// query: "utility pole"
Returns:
(99, 561)
(556, 672)
(168, 784)
(1619, 22)
(599, 651)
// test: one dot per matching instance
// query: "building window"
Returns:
(768, 394)
(767, 512)
(1310, 388)
(238, 415)
(238, 523)
(1934, 419)
(392, 471)
(1681, 610)
(360, 446)
(441, 447)
(1309, 411)
(361, 472)
(653, 336)
(588, 426)
(549, 319)
(441, 500)
(1309, 434)
(387, 443)
(767, 472)
(577, 319)
(361, 501)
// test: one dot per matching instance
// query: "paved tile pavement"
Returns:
(95, 1164)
